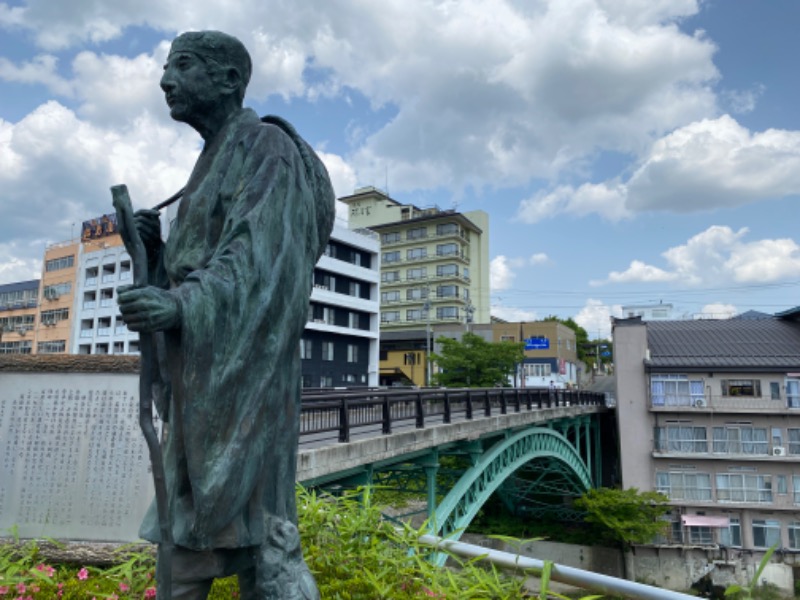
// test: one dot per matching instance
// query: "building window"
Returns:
(681, 485)
(447, 229)
(52, 347)
(51, 317)
(326, 381)
(794, 535)
(417, 273)
(392, 296)
(391, 257)
(420, 294)
(327, 350)
(447, 291)
(56, 264)
(352, 353)
(390, 276)
(447, 250)
(354, 289)
(354, 321)
(390, 238)
(793, 393)
(732, 535)
(417, 233)
(414, 314)
(104, 326)
(305, 348)
(700, 535)
(676, 390)
(739, 487)
(740, 440)
(678, 438)
(91, 276)
(416, 253)
(780, 484)
(465, 274)
(794, 441)
(107, 297)
(537, 369)
(108, 274)
(324, 281)
(766, 533)
(390, 316)
(774, 390)
(90, 300)
(87, 328)
(741, 387)
(447, 270)
(447, 312)
(124, 270)
(507, 338)
(55, 291)
(119, 348)
(796, 490)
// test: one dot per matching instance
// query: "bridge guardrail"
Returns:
(341, 412)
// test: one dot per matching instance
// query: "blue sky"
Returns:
(627, 151)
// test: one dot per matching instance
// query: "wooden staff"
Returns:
(135, 247)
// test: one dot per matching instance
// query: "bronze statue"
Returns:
(228, 300)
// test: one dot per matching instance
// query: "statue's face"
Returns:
(189, 89)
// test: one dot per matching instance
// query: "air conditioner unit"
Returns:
(779, 451)
(700, 403)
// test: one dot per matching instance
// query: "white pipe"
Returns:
(569, 575)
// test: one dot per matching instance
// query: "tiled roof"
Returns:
(733, 343)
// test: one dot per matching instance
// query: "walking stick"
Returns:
(135, 247)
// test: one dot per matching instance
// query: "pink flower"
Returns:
(21, 588)
(83, 574)
(124, 587)
(3, 590)
(150, 592)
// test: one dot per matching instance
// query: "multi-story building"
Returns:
(708, 413)
(97, 327)
(57, 295)
(76, 312)
(18, 307)
(339, 347)
(434, 263)
(550, 355)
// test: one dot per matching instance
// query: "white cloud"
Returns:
(716, 163)
(595, 318)
(743, 101)
(500, 274)
(717, 256)
(42, 69)
(717, 310)
(64, 167)
(606, 200)
(512, 314)
(540, 258)
(342, 175)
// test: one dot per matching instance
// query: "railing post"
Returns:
(503, 402)
(469, 406)
(539, 399)
(344, 422)
(420, 410)
(387, 416)
(487, 404)
(448, 414)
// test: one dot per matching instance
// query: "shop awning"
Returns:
(704, 521)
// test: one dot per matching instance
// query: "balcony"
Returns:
(722, 404)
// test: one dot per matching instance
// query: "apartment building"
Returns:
(434, 263)
(339, 347)
(18, 307)
(708, 413)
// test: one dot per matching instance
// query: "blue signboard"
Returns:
(540, 343)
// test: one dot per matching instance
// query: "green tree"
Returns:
(581, 337)
(474, 362)
(626, 516)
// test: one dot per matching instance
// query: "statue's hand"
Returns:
(148, 226)
(148, 308)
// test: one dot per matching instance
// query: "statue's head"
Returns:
(205, 68)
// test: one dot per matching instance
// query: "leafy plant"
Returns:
(627, 516)
(474, 362)
(746, 592)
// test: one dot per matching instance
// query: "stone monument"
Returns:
(226, 301)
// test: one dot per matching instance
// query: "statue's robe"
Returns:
(254, 219)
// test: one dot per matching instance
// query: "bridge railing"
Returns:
(338, 414)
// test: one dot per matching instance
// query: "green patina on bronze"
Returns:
(229, 300)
